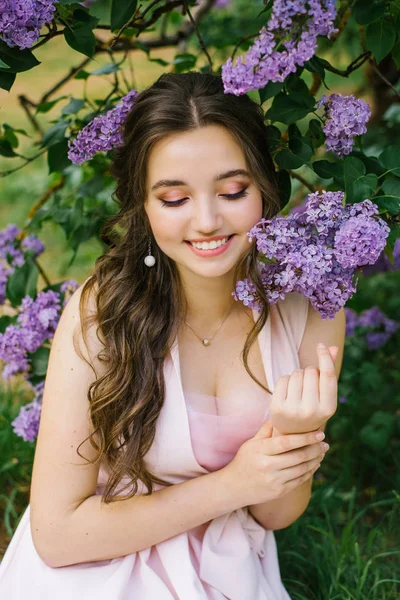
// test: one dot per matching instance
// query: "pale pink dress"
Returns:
(231, 556)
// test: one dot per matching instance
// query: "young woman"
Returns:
(157, 473)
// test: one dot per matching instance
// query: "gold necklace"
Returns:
(207, 341)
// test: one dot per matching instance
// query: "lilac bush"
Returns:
(315, 252)
(345, 117)
(26, 424)
(21, 20)
(379, 327)
(288, 41)
(102, 133)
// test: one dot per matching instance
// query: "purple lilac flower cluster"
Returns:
(315, 252)
(102, 133)
(288, 41)
(383, 264)
(12, 253)
(37, 321)
(21, 20)
(345, 117)
(26, 424)
(379, 327)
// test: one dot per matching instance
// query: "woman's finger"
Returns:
(327, 380)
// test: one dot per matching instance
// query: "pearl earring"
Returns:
(150, 261)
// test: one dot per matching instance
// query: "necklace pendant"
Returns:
(206, 342)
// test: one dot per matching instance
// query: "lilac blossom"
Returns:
(36, 322)
(303, 252)
(379, 328)
(383, 264)
(359, 241)
(21, 20)
(102, 133)
(31, 242)
(26, 424)
(68, 288)
(345, 117)
(288, 41)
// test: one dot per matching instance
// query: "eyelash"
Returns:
(236, 196)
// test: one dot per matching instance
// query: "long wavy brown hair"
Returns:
(138, 310)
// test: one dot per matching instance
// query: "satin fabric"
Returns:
(231, 556)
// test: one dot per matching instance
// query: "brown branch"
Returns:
(27, 160)
(48, 193)
(356, 64)
(316, 84)
(382, 76)
(138, 22)
(306, 183)
(73, 71)
(26, 103)
(201, 42)
(125, 44)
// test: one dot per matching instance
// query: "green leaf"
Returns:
(55, 134)
(327, 170)
(16, 59)
(285, 159)
(7, 80)
(106, 69)
(46, 106)
(396, 54)
(3, 64)
(22, 282)
(368, 11)
(371, 163)
(315, 65)
(184, 62)
(389, 203)
(380, 38)
(82, 74)
(73, 106)
(6, 149)
(290, 108)
(122, 12)
(81, 38)
(273, 137)
(5, 321)
(285, 187)
(391, 200)
(358, 186)
(301, 148)
(390, 158)
(57, 156)
(39, 361)
(314, 134)
(270, 90)
(295, 84)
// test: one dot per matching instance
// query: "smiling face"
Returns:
(203, 199)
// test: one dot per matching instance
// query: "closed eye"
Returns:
(236, 196)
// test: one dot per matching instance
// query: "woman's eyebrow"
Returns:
(173, 182)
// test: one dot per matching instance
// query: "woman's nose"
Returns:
(206, 216)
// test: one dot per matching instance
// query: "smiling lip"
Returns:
(211, 253)
(214, 239)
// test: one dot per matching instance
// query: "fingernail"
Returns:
(320, 435)
(320, 345)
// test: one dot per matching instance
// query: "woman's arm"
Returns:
(95, 531)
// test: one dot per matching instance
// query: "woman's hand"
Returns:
(305, 400)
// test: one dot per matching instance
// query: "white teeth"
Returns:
(209, 245)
